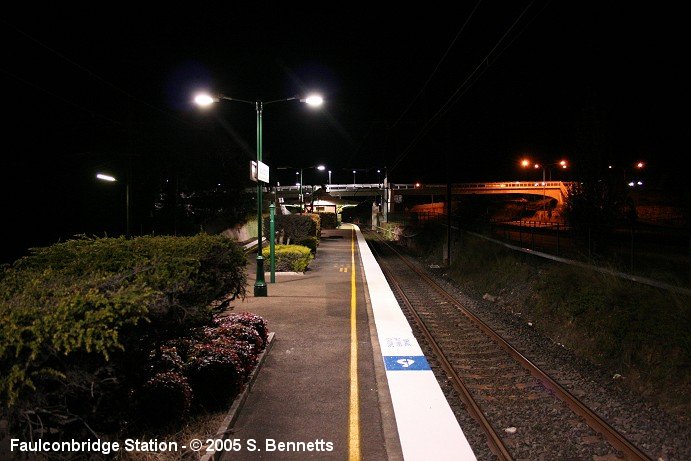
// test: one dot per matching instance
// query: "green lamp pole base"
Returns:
(260, 288)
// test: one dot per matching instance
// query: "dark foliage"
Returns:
(215, 372)
(164, 399)
(214, 360)
(309, 242)
(246, 318)
(328, 220)
(594, 209)
(294, 226)
(80, 319)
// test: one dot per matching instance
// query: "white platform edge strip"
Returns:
(427, 427)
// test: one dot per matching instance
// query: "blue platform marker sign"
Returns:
(405, 362)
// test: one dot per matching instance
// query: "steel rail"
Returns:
(494, 441)
(619, 441)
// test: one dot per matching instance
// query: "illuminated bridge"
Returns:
(557, 190)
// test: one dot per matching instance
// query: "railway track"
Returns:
(522, 412)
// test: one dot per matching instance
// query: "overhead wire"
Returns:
(439, 63)
(482, 67)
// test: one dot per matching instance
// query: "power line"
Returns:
(436, 68)
(482, 67)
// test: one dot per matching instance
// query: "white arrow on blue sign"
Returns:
(410, 362)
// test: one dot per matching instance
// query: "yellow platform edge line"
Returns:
(354, 414)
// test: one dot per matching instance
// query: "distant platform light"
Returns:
(105, 177)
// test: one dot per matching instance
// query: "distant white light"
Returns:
(640, 183)
(297, 183)
(204, 99)
(321, 167)
(631, 184)
(105, 177)
(314, 100)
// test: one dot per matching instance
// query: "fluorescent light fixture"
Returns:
(314, 100)
(204, 99)
(105, 177)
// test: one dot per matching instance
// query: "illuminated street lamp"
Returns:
(299, 182)
(109, 178)
(563, 164)
(205, 100)
(640, 165)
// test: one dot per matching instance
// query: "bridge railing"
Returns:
(563, 186)
(330, 187)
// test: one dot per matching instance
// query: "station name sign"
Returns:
(259, 171)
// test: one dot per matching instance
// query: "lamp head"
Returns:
(105, 177)
(204, 99)
(313, 100)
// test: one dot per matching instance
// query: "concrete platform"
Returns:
(323, 390)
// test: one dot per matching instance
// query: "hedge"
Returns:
(309, 242)
(289, 258)
(79, 319)
(294, 227)
(328, 220)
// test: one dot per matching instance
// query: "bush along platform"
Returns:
(115, 336)
(290, 258)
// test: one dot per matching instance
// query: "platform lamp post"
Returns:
(109, 178)
(205, 100)
(320, 168)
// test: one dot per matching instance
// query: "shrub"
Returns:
(317, 225)
(309, 242)
(215, 372)
(165, 398)
(215, 359)
(246, 318)
(293, 258)
(165, 358)
(249, 319)
(295, 227)
(85, 314)
(328, 220)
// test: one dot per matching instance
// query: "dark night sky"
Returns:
(101, 87)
